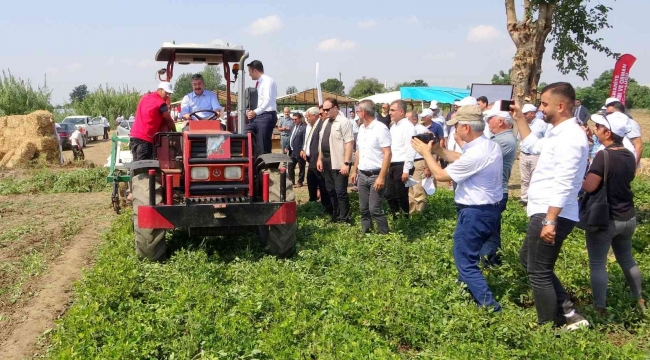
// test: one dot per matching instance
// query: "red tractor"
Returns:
(207, 180)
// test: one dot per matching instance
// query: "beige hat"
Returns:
(467, 113)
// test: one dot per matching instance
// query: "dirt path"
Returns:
(46, 241)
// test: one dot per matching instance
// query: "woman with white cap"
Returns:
(614, 165)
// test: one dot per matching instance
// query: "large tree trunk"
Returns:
(529, 36)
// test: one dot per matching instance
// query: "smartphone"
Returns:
(426, 137)
(505, 105)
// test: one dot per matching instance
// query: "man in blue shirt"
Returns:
(199, 99)
(435, 128)
(285, 127)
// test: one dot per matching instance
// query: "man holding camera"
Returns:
(417, 194)
(477, 171)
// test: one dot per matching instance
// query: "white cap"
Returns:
(429, 187)
(611, 100)
(166, 86)
(467, 101)
(617, 122)
(425, 113)
(528, 108)
(496, 111)
(433, 106)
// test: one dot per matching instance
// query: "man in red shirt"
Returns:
(150, 117)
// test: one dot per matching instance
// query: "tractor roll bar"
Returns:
(241, 112)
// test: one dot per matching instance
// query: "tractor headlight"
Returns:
(200, 173)
(232, 172)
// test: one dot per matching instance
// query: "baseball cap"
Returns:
(496, 111)
(616, 122)
(425, 113)
(611, 100)
(528, 108)
(434, 105)
(467, 113)
(166, 86)
(466, 101)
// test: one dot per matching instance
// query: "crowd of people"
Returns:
(562, 159)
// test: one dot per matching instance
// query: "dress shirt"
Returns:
(309, 130)
(206, 101)
(371, 140)
(355, 126)
(420, 129)
(286, 122)
(267, 93)
(340, 134)
(401, 134)
(478, 173)
(561, 167)
(538, 128)
(105, 122)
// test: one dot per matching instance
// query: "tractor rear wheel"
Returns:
(149, 243)
(279, 240)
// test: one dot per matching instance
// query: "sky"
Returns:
(446, 43)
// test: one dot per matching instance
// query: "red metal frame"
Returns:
(251, 170)
(265, 187)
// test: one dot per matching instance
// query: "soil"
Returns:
(64, 230)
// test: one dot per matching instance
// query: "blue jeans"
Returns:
(489, 250)
(476, 225)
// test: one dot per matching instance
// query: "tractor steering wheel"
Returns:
(196, 116)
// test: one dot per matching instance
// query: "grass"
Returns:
(46, 181)
(344, 296)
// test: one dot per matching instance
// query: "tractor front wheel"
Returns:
(279, 240)
(149, 243)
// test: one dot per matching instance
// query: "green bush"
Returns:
(344, 296)
(646, 150)
(109, 102)
(17, 97)
(51, 182)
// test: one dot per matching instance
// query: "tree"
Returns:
(571, 26)
(502, 78)
(292, 90)
(416, 83)
(79, 93)
(211, 76)
(366, 87)
(593, 96)
(334, 86)
(17, 97)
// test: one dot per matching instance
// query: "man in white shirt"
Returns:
(553, 200)
(264, 117)
(527, 162)
(200, 99)
(107, 126)
(478, 173)
(417, 195)
(371, 167)
(315, 179)
(401, 165)
(77, 144)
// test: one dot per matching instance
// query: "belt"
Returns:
(399, 163)
(484, 206)
(417, 160)
(370, 172)
(285, 134)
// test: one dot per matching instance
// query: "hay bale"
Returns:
(24, 137)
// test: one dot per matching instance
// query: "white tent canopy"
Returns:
(385, 98)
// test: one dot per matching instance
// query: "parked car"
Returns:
(65, 130)
(124, 128)
(94, 128)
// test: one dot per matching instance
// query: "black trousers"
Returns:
(140, 149)
(315, 182)
(301, 169)
(78, 152)
(397, 194)
(262, 126)
(337, 188)
(106, 133)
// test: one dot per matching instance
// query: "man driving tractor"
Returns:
(199, 99)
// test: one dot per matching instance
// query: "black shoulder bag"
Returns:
(594, 207)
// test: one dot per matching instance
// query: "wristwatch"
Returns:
(547, 222)
(347, 163)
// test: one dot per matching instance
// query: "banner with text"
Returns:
(621, 76)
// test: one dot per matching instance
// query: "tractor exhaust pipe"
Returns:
(241, 111)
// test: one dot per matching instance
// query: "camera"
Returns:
(426, 137)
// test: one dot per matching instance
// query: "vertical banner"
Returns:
(621, 76)
(320, 93)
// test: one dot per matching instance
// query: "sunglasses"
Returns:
(326, 110)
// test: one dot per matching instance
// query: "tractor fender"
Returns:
(265, 160)
(140, 166)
